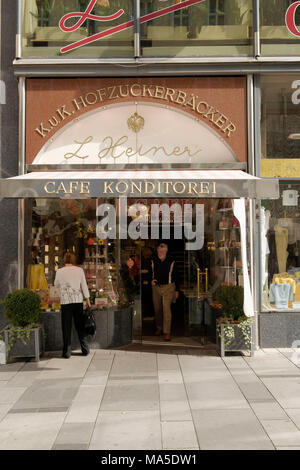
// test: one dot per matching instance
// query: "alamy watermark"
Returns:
(155, 221)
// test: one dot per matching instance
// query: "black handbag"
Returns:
(89, 322)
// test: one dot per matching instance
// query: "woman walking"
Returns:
(73, 288)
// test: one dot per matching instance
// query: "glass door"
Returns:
(218, 263)
(198, 276)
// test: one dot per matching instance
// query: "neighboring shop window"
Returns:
(54, 226)
(280, 126)
(41, 35)
(275, 38)
(214, 27)
(280, 250)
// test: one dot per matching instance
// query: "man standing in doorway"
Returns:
(164, 289)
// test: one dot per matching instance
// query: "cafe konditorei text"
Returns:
(106, 95)
(132, 188)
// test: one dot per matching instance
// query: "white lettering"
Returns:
(296, 94)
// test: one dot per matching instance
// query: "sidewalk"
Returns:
(144, 397)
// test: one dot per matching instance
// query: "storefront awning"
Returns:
(140, 183)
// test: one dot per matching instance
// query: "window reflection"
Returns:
(213, 27)
(280, 118)
(41, 35)
(210, 28)
(274, 31)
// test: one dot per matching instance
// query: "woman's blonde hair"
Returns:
(69, 258)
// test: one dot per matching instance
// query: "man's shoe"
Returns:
(158, 332)
(85, 353)
(167, 337)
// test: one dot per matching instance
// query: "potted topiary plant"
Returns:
(23, 335)
(234, 328)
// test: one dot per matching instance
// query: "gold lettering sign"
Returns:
(61, 188)
(123, 185)
(149, 187)
(181, 185)
(52, 187)
(47, 187)
(204, 188)
(141, 187)
(157, 92)
(115, 149)
(84, 187)
(73, 186)
(108, 188)
(162, 188)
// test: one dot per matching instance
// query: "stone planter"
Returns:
(238, 343)
(33, 348)
(114, 329)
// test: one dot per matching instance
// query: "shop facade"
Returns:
(173, 117)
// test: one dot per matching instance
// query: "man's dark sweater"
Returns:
(161, 271)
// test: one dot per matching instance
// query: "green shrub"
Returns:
(232, 300)
(22, 307)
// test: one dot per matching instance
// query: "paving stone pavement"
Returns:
(152, 398)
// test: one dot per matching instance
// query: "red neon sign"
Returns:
(83, 16)
(290, 19)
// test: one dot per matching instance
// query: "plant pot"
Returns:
(239, 342)
(114, 329)
(33, 348)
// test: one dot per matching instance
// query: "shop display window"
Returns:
(118, 270)
(42, 37)
(211, 28)
(280, 126)
(280, 250)
(53, 227)
(276, 40)
(219, 262)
